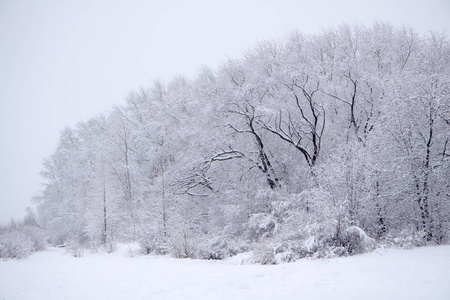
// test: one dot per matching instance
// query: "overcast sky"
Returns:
(62, 62)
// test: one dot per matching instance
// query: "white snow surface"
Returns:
(420, 273)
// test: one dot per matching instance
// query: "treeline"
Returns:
(314, 145)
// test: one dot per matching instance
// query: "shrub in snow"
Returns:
(221, 247)
(14, 244)
(153, 243)
(288, 252)
(281, 209)
(311, 244)
(354, 240)
(274, 251)
(36, 236)
(76, 244)
(261, 225)
(264, 254)
(182, 245)
(405, 239)
(18, 240)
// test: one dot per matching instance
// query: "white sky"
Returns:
(62, 62)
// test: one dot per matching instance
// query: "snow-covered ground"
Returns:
(422, 273)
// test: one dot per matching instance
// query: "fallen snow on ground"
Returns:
(422, 273)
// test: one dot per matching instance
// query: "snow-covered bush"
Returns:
(274, 251)
(13, 244)
(262, 225)
(153, 246)
(179, 239)
(406, 239)
(75, 245)
(355, 241)
(18, 240)
(36, 236)
(221, 247)
(151, 242)
(182, 245)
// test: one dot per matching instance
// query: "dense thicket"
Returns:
(313, 145)
(19, 239)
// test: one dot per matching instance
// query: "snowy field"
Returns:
(422, 273)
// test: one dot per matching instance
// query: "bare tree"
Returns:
(305, 131)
